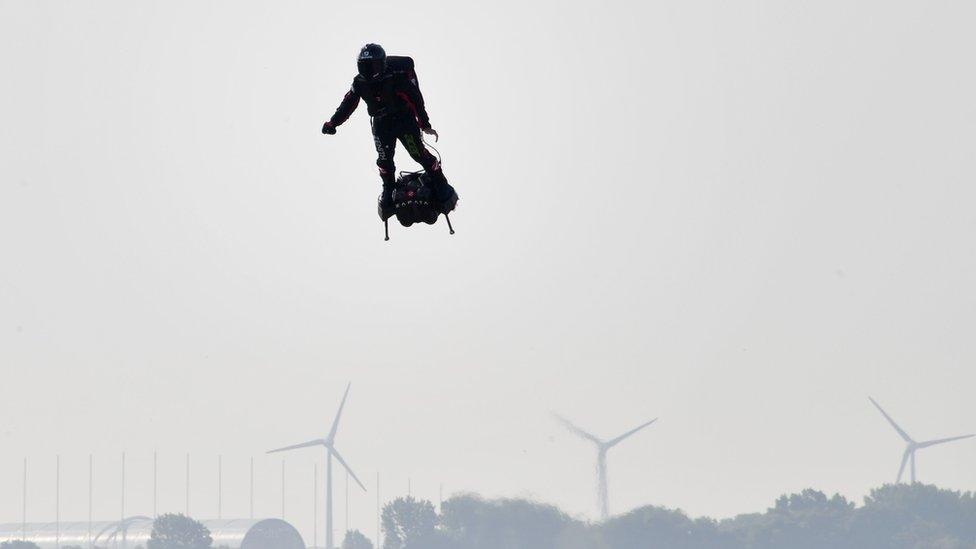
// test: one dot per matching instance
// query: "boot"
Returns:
(385, 203)
(446, 196)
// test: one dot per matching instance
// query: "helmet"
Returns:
(372, 61)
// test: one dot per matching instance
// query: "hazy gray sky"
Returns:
(742, 217)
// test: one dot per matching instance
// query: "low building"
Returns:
(134, 532)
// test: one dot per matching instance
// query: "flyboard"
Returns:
(419, 197)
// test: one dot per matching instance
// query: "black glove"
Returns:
(328, 128)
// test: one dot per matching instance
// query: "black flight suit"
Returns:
(397, 109)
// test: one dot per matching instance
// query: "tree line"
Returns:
(897, 516)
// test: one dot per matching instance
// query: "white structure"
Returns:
(134, 532)
(601, 458)
(912, 446)
(330, 452)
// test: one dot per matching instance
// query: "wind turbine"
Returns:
(601, 458)
(912, 446)
(330, 452)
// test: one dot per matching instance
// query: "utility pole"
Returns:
(155, 484)
(57, 503)
(23, 517)
(378, 536)
(315, 505)
(329, 530)
(188, 484)
(123, 486)
(91, 477)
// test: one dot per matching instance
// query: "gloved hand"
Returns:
(431, 131)
(328, 128)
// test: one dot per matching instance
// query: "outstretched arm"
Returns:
(345, 110)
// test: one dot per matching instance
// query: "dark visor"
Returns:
(370, 67)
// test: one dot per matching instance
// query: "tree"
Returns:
(173, 531)
(914, 516)
(471, 522)
(655, 527)
(808, 520)
(356, 540)
(409, 523)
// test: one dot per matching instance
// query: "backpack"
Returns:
(404, 64)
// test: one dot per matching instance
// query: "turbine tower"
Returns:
(911, 445)
(601, 458)
(330, 452)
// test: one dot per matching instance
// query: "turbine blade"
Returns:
(901, 431)
(579, 432)
(904, 461)
(616, 441)
(316, 442)
(335, 422)
(336, 455)
(928, 443)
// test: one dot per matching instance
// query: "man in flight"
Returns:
(389, 88)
